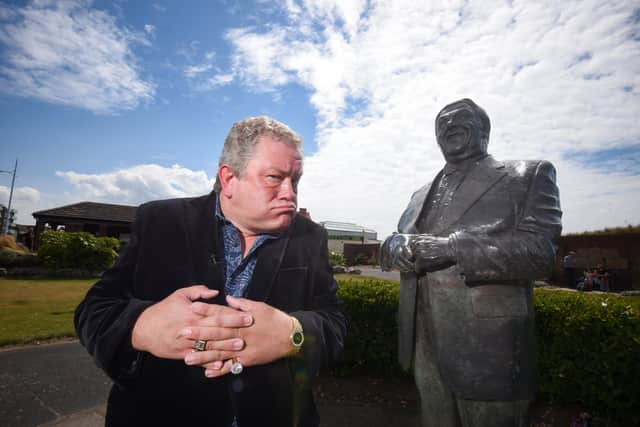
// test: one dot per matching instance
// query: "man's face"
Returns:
(264, 199)
(458, 133)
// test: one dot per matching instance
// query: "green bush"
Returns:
(11, 258)
(588, 344)
(336, 258)
(83, 251)
(589, 349)
(372, 344)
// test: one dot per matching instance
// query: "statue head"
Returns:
(462, 131)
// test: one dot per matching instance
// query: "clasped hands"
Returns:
(252, 332)
(417, 253)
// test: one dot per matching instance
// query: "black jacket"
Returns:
(175, 243)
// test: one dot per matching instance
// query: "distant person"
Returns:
(603, 278)
(231, 282)
(569, 264)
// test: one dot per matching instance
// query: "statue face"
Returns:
(458, 131)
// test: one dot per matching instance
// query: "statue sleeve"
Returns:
(525, 251)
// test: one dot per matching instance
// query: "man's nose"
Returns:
(287, 190)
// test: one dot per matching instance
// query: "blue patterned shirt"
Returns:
(238, 270)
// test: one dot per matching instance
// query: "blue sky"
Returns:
(129, 101)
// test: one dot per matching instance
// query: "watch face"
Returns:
(297, 339)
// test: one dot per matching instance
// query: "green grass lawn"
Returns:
(37, 309)
(360, 278)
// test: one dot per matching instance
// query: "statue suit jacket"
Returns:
(175, 243)
(503, 220)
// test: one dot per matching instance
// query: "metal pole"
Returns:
(5, 227)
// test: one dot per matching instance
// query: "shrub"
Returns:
(336, 258)
(84, 251)
(372, 344)
(361, 259)
(588, 344)
(16, 258)
(589, 349)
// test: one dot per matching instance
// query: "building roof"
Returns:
(345, 226)
(91, 211)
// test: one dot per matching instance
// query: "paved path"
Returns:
(42, 383)
(58, 385)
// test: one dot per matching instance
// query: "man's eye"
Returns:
(273, 178)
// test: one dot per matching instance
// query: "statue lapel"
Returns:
(412, 214)
(476, 183)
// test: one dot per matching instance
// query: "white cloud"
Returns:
(25, 200)
(150, 29)
(194, 70)
(204, 75)
(555, 79)
(68, 53)
(221, 79)
(138, 184)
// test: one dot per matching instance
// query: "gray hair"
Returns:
(241, 141)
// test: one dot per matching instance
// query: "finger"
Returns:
(233, 319)
(217, 365)
(240, 303)
(406, 267)
(230, 344)
(214, 373)
(208, 333)
(204, 357)
(198, 291)
(209, 309)
(407, 253)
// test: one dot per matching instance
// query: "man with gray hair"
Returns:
(223, 307)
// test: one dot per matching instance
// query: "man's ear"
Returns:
(227, 180)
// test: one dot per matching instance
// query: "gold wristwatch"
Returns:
(296, 337)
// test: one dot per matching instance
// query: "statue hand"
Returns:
(396, 253)
(432, 253)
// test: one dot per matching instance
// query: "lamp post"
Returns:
(5, 226)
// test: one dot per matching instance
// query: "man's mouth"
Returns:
(286, 208)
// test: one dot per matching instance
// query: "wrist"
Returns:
(296, 337)
(138, 333)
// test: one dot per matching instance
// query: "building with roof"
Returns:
(99, 219)
(341, 233)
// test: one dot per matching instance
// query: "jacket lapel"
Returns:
(205, 245)
(476, 183)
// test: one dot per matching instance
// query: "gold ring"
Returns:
(199, 345)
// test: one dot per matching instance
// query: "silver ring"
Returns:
(199, 345)
(236, 367)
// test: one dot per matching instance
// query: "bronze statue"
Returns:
(469, 246)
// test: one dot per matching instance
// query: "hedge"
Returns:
(71, 250)
(588, 344)
(372, 344)
(10, 258)
(589, 349)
